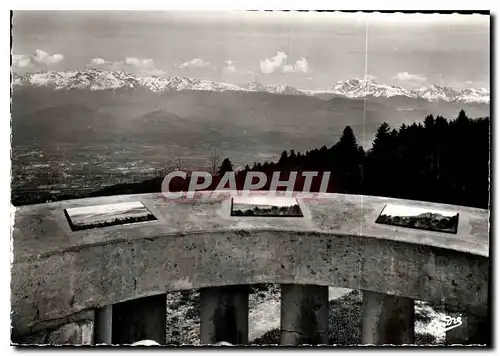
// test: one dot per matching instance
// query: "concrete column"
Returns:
(77, 333)
(140, 319)
(224, 315)
(469, 329)
(304, 314)
(103, 322)
(387, 319)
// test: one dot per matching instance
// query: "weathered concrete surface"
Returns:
(387, 319)
(224, 315)
(74, 333)
(103, 325)
(140, 319)
(304, 315)
(40, 333)
(57, 272)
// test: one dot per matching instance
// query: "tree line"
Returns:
(439, 160)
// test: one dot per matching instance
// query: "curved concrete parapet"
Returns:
(58, 272)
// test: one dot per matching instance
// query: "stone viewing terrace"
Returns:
(108, 284)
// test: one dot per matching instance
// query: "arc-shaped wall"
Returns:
(58, 272)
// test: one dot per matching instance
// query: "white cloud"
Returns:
(143, 63)
(195, 63)
(98, 61)
(270, 65)
(21, 61)
(45, 58)
(278, 62)
(407, 77)
(105, 64)
(230, 66)
(144, 66)
(300, 66)
(39, 58)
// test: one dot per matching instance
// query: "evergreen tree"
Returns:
(347, 162)
(381, 140)
(226, 166)
(284, 157)
(434, 160)
(462, 117)
(429, 121)
(381, 162)
(348, 140)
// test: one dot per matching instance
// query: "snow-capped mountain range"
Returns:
(93, 79)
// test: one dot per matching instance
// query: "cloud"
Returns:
(144, 66)
(278, 63)
(39, 58)
(270, 65)
(21, 61)
(195, 63)
(407, 77)
(142, 63)
(230, 66)
(42, 57)
(98, 61)
(300, 66)
(104, 64)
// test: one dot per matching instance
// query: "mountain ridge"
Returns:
(95, 80)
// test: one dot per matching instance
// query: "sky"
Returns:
(304, 50)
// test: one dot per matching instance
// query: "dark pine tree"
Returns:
(226, 166)
(284, 157)
(347, 162)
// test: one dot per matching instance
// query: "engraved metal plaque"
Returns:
(419, 218)
(91, 217)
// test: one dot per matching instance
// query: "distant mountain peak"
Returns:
(98, 79)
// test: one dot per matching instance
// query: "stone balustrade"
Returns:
(109, 285)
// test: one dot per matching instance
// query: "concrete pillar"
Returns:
(467, 329)
(140, 319)
(103, 322)
(304, 314)
(387, 319)
(76, 333)
(224, 315)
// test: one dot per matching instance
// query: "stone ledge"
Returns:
(102, 275)
(41, 230)
(74, 333)
(57, 273)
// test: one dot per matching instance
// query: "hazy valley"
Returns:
(78, 136)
